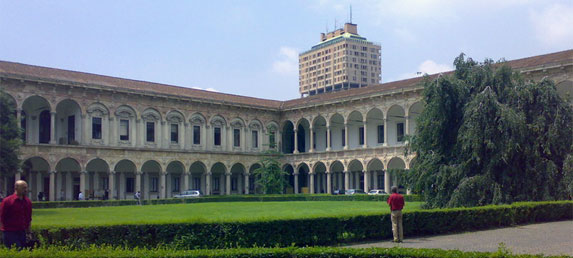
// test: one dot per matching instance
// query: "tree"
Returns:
(488, 136)
(270, 177)
(9, 136)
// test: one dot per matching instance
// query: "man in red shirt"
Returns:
(16, 216)
(396, 202)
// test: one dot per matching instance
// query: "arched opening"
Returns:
(303, 135)
(197, 176)
(396, 125)
(320, 178)
(355, 123)
(395, 167)
(151, 170)
(376, 173)
(68, 179)
(218, 171)
(337, 170)
(375, 127)
(319, 134)
(288, 137)
(98, 179)
(124, 179)
(337, 140)
(355, 169)
(37, 120)
(237, 176)
(36, 174)
(290, 178)
(303, 178)
(68, 122)
(174, 178)
(253, 188)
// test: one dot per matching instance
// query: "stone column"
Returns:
(366, 180)
(328, 138)
(346, 136)
(185, 181)
(208, 183)
(385, 132)
(365, 145)
(138, 181)
(162, 140)
(311, 147)
(52, 186)
(121, 183)
(83, 184)
(311, 190)
(162, 185)
(386, 181)
(357, 179)
(346, 180)
(146, 186)
(296, 191)
(69, 187)
(328, 182)
(182, 134)
(112, 141)
(240, 187)
(53, 128)
(84, 125)
(112, 190)
(407, 125)
(228, 183)
(295, 141)
(140, 133)
(247, 183)
(375, 178)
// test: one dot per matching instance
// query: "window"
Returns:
(154, 184)
(361, 135)
(196, 134)
(150, 131)
(124, 130)
(237, 137)
(255, 138)
(217, 138)
(400, 132)
(174, 133)
(175, 182)
(343, 137)
(129, 185)
(196, 183)
(215, 184)
(380, 134)
(96, 127)
(272, 142)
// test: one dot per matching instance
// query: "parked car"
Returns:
(354, 191)
(338, 191)
(376, 192)
(189, 194)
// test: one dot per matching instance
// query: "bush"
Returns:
(304, 232)
(63, 252)
(224, 198)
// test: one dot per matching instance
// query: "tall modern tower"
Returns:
(342, 60)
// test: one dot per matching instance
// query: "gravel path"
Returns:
(553, 238)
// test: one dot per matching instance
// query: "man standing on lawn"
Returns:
(396, 203)
(16, 216)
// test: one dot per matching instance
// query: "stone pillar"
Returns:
(53, 128)
(162, 185)
(185, 181)
(246, 183)
(112, 140)
(366, 180)
(138, 181)
(84, 125)
(328, 182)
(228, 183)
(356, 184)
(295, 141)
(311, 188)
(240, 187)
(375, 178)
(365, 145)
(146, 186)
(162, 142)
(311, 147)
(121, 183)
(208, 183)
(385, 132)
(69, 187)
(346, 136)
(182, 134)
(52, 186)
(328, 138)
(386, 180)
(346, 180)
(407, 125)
(83, 184)
(112, 190)
(296, 183)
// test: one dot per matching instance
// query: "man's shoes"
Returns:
(397, 241)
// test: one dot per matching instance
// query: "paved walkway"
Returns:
(553, 238)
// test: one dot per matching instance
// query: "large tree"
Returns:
(487, 135)
(270, 177)
(9, 136)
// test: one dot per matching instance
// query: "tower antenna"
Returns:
(350, 13)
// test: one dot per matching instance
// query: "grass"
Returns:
(206, 212)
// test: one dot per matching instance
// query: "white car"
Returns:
(376, 192)
(189, 194)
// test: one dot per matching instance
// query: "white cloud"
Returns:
(554, 25)
(427, 67)
(208, 89)
(287, 63)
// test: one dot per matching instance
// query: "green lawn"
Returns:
(207, 212)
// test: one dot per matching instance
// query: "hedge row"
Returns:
(225, 198)
(107, 252)
(304, 232)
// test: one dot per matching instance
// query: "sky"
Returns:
(250, 47)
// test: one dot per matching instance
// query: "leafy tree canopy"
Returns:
(9, 136)
(270, 177)
(487, 136)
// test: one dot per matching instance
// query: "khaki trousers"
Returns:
(397, 229)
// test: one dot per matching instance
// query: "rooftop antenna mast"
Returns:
(350, 13)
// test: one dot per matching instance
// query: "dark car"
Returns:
(338, 192)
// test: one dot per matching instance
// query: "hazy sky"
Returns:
(251, 47)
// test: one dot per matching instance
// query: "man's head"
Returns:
(394, 189)
(21, 188)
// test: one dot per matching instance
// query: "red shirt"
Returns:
(396, 202)
(15, 213)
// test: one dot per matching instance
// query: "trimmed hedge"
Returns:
(224, 198)
(395, 252)
(304, 232)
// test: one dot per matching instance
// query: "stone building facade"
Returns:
(110, 137)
